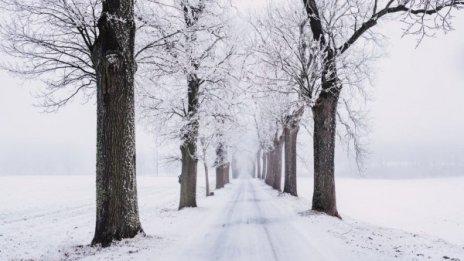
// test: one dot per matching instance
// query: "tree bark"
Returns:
(254, 169)
(324, 114)
(188, 177)
(227, 173)
(258, 162)
(188, 149)
(222, 166)
(290, 183)
(117, 215)
(206, 178)
(278, 143)
(220, 176)
(270, 167)
(264, 173)
(235, 172)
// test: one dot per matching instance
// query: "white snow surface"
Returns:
(52, 218)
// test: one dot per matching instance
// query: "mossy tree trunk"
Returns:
(324, 115)
(113, 56)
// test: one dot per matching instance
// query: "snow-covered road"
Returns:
(250, 226)
(53, 217)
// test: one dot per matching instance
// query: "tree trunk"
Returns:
(222, 165)
(264, 156)
(235, 172)
(220, 176)
(324, 114)
(117, 208)
(270, 167)
(206, 178)
(227, 173)
(290, 184)
(188, 184)
(188, 177)
(277, 185)
(254, 169)
(258, 163)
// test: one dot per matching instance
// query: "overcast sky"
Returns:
(417, 111)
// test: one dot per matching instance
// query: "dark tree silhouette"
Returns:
(113, 54)
(335, 44)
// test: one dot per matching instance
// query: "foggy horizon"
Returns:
(414, 111)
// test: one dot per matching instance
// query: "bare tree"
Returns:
(201, 54)
(336, 26)
(265, 170)
(260, 154)
(222, 164)
(113, 54)
(291, 129)
(269, 115)
(276, 162)
(287, 62)
(86, 46)
(205, 143)
(193, 55)
(229, 136)
(54, 40)
(189, 147)
(258, 163)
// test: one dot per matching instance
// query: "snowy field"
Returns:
(52, 218)
(424, 206)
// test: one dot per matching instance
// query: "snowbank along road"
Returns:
(245, 221)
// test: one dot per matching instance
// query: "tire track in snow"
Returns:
(268, 236)
(249, 225)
